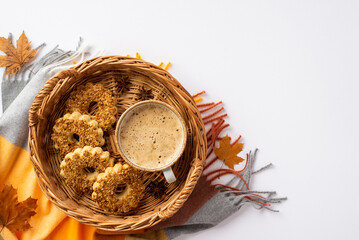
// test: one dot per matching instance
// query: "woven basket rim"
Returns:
(37, 115)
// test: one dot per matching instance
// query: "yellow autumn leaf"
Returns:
(15, 58)
(228, 153)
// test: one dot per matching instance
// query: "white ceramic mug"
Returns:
(125, 140)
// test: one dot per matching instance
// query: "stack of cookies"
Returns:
(86, 167)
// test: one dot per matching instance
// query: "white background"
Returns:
(287, 72)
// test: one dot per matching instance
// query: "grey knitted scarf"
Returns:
(19, 91)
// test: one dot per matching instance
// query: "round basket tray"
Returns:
(141, 77)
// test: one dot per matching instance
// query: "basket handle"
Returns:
(45, 91)
(186, 191)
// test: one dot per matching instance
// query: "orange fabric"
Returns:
(16, 169)
(72, 230)
(98, 236)
(99, 231)
(48, 222)
(7, 235)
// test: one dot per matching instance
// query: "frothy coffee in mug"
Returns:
(151, 136)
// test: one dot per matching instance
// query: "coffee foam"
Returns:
(151, 136)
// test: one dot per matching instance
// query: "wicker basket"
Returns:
(49, 106)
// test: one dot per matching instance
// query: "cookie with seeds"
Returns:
(81, 167)
(94, 100)
(76, 131)
(119, 189)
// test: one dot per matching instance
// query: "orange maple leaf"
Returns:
(15, 57)
(228, 153)
(13, 214)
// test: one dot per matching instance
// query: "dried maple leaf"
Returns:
(13, 214)
(228, 153)
(15, 57)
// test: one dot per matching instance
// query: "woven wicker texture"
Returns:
(112, 71)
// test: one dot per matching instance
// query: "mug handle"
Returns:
(169, 175)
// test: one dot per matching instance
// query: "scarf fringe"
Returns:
(55, 57)
(51, 63)
(237, 190)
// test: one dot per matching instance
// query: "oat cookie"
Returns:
(94, 95)
(76, 131)
(81, 167)
(119, 189)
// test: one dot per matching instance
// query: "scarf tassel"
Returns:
(239, 194)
